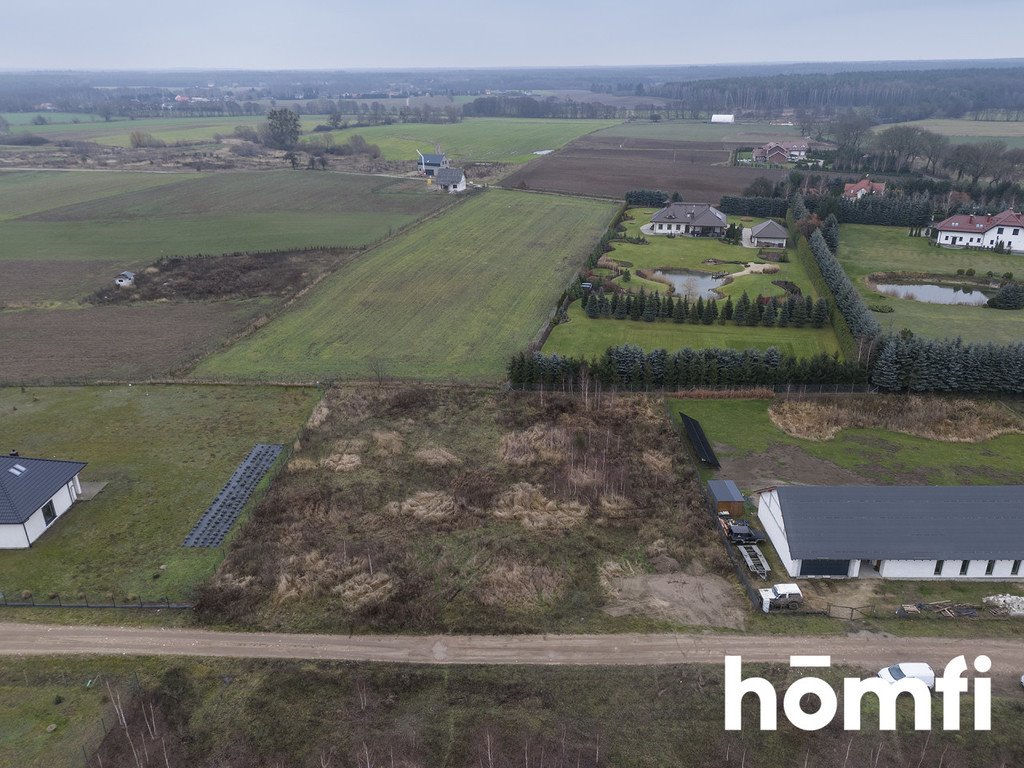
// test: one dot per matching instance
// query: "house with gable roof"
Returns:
(981, 231)
(690, 220)
(34, 493)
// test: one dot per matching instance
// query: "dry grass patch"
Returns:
(301, 464)
(948, 419)
(388, 442)
(527, 503)
(515, 585)
(426, 506)
(540, 444)
(342, 462)
(436, 456)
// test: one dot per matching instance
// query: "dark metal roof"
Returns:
(724, 490)
(694, 214)
(449, 175)
(432, 159)
(963, 522)
(26, 484)
(770, 229)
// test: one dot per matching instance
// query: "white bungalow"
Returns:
(768, 234)
(689, 220)
(897, 532)
(34, 493)
(981, 231)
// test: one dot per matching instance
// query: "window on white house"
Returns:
(964, 564)
(999, 231)
(938, 567)
(49, 513)
(1015, 570)
(990, 567)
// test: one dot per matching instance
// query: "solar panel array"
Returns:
(699, 441)
(215, 523)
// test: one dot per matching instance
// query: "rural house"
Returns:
(430, 164)
(691, 219)
(450, 180)
(863, 187)
(768, 234)
(778, 152)
(897, 532)
(33, 494)
(981, 231)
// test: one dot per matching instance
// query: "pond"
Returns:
(932, 293)
(693, 284)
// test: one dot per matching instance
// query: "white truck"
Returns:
(781, 597)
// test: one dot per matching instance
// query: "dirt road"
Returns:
(866, 651)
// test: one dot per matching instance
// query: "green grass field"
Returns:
(481, 139)
(970, 131)
(742, 428)
(589, 338)
(703, 130)
(454, 297)
(138, 217)
(583, 337)
(864, 249)
(165, 451)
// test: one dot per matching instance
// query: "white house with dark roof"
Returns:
(897, 532)
(430, 163)
(689, 220)
(981, 231)
(450, 180)
(768, 234)
(34, 493)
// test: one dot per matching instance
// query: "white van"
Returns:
(914, 669)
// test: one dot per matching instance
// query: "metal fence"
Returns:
(27, 600)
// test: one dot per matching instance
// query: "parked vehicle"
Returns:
(914, 669)
(781, 597)
(741, 532)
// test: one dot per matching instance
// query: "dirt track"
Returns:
(866, 651)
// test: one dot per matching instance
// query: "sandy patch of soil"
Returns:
(784, 465)
(700, 601)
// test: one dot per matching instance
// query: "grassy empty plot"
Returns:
(969, 131)
(756, 453)
(454, 297)
(418, 508)
(491, 140)
(866, 249)
(702, 130)
(185, 213)
(165, 452)
(28, 192)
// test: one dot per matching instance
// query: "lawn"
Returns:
(702, 130)
(589, 338)
(971, 131)
(584, 337)
(864, 249)
(481, 139)
(139, 217)
(742, 431)
(453, 298)
(165, 451)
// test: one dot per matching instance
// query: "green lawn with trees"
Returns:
(452, 298)
(164, 452)
(866, 249)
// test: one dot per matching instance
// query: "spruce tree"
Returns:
(770, 313)
(697, 311)
(622, 307)
(637, 309)
(604, 306)
(742, 308)
(820, 315)
(615, 302)
(680, 311)
(755, 311)
(650, 313)
(799, 313)
(667, 306)
(592, 308)
(727, 308)
(785, 313)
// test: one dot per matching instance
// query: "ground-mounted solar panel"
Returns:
(215, 523)
(699, 441)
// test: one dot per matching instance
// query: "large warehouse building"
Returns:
(897, 532)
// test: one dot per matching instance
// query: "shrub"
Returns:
(970, 272)
(1010, 296)
(960, 272)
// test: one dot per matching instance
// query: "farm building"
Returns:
(450, 180)
(778, 152)
(981, 231)
(726, 497)
(125, 280)
(692, 219)
(768, 234)
(897, 532)
(430, 164)
(723, 118)
(863, 187)
(33, 494)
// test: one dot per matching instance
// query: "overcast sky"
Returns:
(347, 34)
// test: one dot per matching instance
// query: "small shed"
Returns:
(723, 118)
(726, 497)
(125, 280)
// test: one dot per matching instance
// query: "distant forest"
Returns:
(889, 92)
